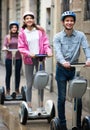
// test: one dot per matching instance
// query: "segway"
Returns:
(40, 81)
(76, 89)
(13, 95)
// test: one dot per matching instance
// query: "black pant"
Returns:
(8, 65)
(63, 75)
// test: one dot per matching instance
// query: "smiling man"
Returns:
(67, 45)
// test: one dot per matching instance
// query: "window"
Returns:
(87, 10)
(38, 11)
(65, 5)
(18, 10)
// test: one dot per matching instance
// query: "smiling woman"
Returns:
(32, 40)
(11, 42)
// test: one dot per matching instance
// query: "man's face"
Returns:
(68, 23)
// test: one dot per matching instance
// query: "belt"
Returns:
(60, 65)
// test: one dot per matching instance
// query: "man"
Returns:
(67, 45)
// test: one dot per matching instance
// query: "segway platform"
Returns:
(40, 81)
(47, 113)
(13, 96)
(76, 89)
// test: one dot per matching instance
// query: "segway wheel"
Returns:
(86, 123)
(2, 95)
(52, 115)
(23, 92)
(55, 124)
(23, 114)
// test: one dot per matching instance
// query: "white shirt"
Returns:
(33, 40)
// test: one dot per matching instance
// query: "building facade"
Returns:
(48, 16)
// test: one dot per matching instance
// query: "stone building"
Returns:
(48, 13)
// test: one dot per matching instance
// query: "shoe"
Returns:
(42, 109)
(79, 128)
(29, 109)
(7, 92)
(17, 91)
(63, 127)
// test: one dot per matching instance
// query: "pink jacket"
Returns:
(23, 45)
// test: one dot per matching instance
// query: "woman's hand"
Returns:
(49, 54)
(4, 48)
(40, 28)
(32, 55)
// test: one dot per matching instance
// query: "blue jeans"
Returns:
(62, 76)
(8, 66)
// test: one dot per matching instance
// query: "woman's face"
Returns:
(14, 29)
(29, 21)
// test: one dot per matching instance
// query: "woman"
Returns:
(32, 41)
(11, 42)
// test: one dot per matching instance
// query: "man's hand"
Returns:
(66, 64)
(87, 64)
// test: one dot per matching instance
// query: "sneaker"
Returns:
(17, 91)
(42, 109)
(8, 92)
(79, 128)
(29, 109)
(63, 127)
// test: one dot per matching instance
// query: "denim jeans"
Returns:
(8, 66)
(62, 76)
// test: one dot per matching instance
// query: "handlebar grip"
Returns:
(77, 63)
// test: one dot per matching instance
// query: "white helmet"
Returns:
(28, 13)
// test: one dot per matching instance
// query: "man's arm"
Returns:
(57, 48)
(86, 48)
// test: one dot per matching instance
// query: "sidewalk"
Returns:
(48, 95)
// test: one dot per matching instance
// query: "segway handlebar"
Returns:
(41, 57)
(11, 50)
(78, 64)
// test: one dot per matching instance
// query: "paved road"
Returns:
(9, 119)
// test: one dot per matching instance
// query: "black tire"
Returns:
(23, 115)
(52, 115)
(2, 95)
(86, 123)
(23, 92)
(55, 124)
